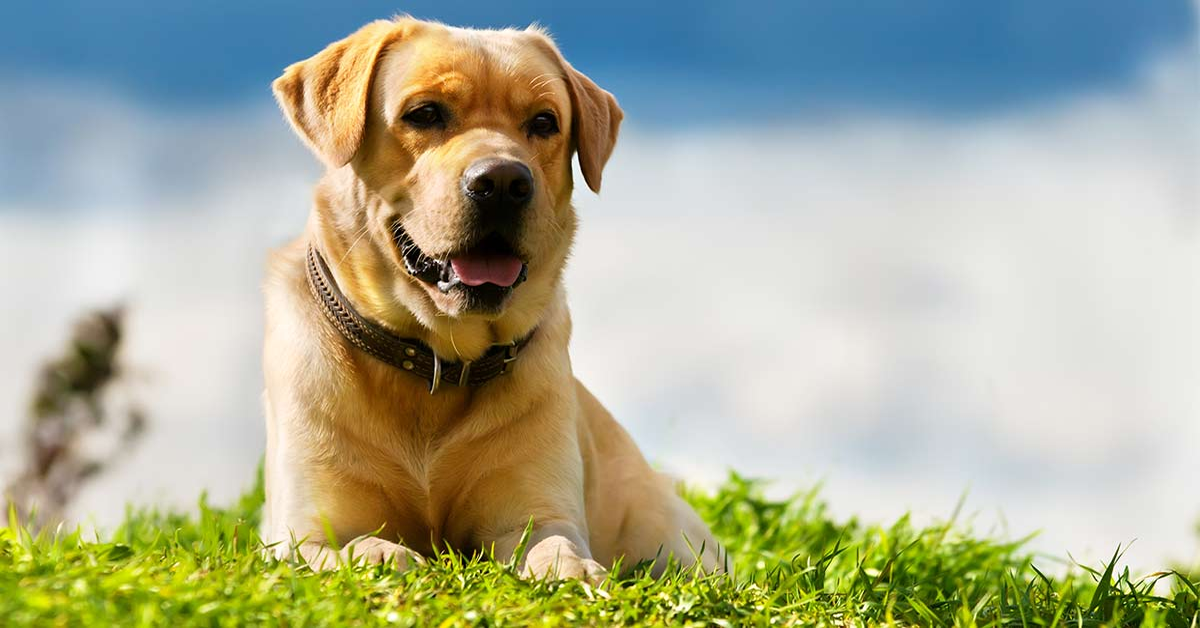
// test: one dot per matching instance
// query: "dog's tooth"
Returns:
(445, 286)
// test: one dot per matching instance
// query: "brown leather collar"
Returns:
(406, 354)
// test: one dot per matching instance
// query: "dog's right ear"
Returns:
(325, 96)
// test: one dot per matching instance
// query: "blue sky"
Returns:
(669, 62)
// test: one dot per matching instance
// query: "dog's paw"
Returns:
(375, 551)
(585, 569)
(565, 567)
(363, 550)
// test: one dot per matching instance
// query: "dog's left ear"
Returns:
(325, 96)
(595, 114)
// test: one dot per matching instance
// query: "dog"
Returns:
(418, 388)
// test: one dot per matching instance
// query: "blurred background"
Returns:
(909, 250)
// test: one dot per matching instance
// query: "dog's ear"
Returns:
(595, 114)
(325, 96)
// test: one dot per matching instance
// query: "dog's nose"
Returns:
(501, 184)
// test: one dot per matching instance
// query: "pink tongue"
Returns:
(476, 270)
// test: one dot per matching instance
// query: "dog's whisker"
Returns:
(450, 332)
(543, 75)
(361, 234)
(545, 83)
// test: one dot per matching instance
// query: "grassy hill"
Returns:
(795, 565)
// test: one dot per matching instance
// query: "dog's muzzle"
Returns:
(490, 265)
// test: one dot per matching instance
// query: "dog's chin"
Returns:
(478, 280)
(486, 302)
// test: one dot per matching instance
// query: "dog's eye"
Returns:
(543, 124)
(426, 116)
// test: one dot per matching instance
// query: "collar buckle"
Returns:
(437, 373)
(465, 373)
(510, 356)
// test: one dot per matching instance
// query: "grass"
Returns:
(795, 565)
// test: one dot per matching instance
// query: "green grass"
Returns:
(795, 565)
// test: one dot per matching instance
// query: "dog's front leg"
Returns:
(553, 550)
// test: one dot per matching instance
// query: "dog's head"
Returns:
(454, 150)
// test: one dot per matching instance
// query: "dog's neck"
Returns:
(402, 353)
(381, 291)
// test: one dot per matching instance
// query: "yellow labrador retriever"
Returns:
(419, 393)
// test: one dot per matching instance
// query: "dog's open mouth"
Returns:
(490, 265)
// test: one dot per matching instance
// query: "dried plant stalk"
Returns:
(68, 407)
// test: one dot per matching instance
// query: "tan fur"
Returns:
(363, 449)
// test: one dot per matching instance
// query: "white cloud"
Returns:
(904, 307)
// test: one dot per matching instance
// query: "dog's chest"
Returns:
(418, 459)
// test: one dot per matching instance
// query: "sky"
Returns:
(956, 249)
(765, 58)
